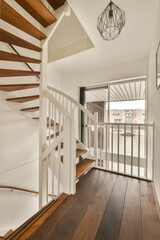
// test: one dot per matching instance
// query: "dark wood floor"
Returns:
(105, 207)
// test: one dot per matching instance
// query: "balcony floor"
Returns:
(105, 206)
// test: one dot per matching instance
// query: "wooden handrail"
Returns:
(21, 189)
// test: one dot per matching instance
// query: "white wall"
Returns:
(154, 103)
(19, 136)
(20, 208)
(18, 166)
(70, 83)
(54, 78)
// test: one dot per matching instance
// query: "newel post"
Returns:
(42, 126)
(69, 153)
(96, 137)
(73, 151)
(65, 176)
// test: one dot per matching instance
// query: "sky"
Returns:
(127, 105)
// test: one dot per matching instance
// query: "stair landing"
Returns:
(105, 206)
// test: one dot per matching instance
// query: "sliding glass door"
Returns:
(127, 102)
(122, 104)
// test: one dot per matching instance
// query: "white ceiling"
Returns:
(118, 92)
(133, 43)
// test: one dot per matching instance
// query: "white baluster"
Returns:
(52, 169)
(152, 152)
(73, 151)
(89, 134)
(139, 147)
(85, 129)
(101, 145)
(96, 137)
(59, 166)
(118, 149)
(146, 151)
(106, 146)
(66, 174)
(112, 147)
(49, 120)
(55, 121)
(46, 179)
(42, 122)
(124, 149)
(132, 150)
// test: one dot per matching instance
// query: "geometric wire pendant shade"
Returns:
(111, 22)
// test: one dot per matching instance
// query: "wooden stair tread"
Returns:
(80, 152)
(38, 11)
(8, 233)
(12, 39)
(16, 73)
(12, 17)
(56, 3)
(6, 56)
(83, 166)
(31, 225)
(16, 87)
(23, 99)
(31, 109)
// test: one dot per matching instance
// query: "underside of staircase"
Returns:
(43, 16)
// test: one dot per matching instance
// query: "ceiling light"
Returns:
(111, 22)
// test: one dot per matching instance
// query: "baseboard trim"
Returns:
(156, 199)
(122, 174)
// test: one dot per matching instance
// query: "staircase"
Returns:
(12, 17)
(17, 45)
(61, 151)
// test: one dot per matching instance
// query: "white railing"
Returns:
(89, 119)
(118, 147)
(59, 150)
(126, 148)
